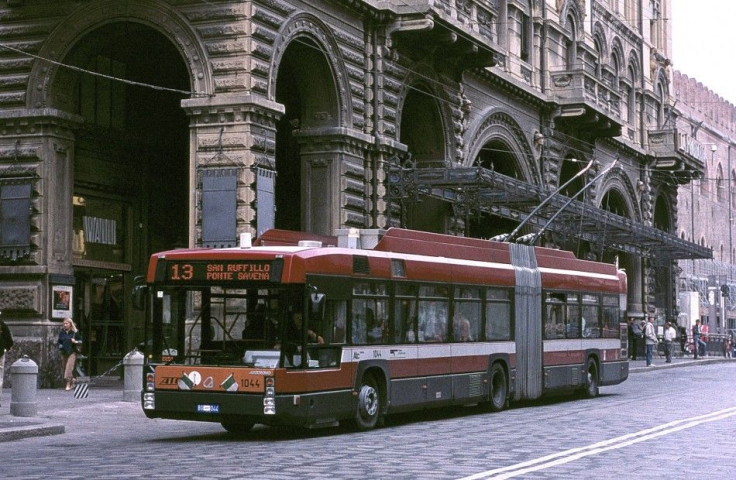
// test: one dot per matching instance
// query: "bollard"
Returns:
(24, 375)
(133, 376)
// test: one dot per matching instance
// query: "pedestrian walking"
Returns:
(637, 335)
(69, 342)
(698, 344)
(650, 341)
(683, 341)
(6, 342)
(727, 346)
(669, 341)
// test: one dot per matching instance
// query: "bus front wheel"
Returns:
(591, 389)
(499, 388)
(369, 405)
(237, 428)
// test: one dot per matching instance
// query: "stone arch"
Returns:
(425, 127)
(664, 219)
(661, 94)
(571, 9)
(635, 65)
(600, 34)
(617, 195)
(497, 125)
(617, 50)
(497, 141)
(422, 79)
(310, 27)
(89, 17)
(662, 81)
(616, 180)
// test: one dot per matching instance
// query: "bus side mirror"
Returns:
(139, 297)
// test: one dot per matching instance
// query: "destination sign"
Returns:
(219, 271)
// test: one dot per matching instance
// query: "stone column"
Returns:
(236, 131)
(337, 179)
(37, 153)
(636, 287)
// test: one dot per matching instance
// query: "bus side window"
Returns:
(432, 321)
(554, 326)
(405, 314)
(573, 321)
(498, 314)
(335, 318)
(589, 319)
(339, 330)
(610, 317)
(403, 328)
(358, 322)
(466, 321)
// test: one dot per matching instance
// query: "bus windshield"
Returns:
(214, 325)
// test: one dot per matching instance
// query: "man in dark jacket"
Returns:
(636, 336)
(698, 343)
(6, 341)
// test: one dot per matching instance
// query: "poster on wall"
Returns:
(61, 301)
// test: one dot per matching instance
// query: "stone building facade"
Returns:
(708, 212)
(133, 126)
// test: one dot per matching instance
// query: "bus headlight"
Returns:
(149, 401)
(269, 396)
(150, 382)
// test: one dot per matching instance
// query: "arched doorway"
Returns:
(498, 156)
(570, 168)
(664, 276)
(615, 202)
(131, 174)
(423, 133)
(305, 85)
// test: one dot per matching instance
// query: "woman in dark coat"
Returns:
(69, 340)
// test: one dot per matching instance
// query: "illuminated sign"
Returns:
(100, 230)
(219, 271)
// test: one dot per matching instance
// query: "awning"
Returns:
(481, 190)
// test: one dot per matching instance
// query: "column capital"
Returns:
(231, 107)
(25, 121)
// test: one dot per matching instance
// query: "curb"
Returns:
(11, 433)
(683, 363)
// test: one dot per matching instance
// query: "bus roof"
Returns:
(424, 256)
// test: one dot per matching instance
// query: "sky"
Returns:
(704, 43)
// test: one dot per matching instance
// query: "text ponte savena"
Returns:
(238, 271)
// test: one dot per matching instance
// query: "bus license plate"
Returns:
(208, 408)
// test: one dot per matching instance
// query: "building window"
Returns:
(15, 219)
(631, 100)
(571, 50)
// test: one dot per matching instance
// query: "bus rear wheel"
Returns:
(237, 428)
(369, 405)
(591, 389)
(499, 388)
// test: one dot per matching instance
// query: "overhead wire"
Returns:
(101, 75)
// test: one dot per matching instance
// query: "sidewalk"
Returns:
(640, 365)
(50, 402)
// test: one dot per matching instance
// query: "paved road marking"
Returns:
(573, 454)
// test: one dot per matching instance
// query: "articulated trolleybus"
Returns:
(290, 332)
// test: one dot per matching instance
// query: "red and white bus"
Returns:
(296, 331)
